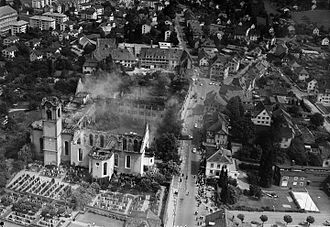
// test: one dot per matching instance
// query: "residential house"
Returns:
(303, 74)
(221, 159)
(42, 22)
(36, 55)
(8, 16)
(123, 57)
(325, 41)
(9, 52)
(10, 40)
(89, 66)
(59, 18)
(18, 27)
(33, 43)
(203, 58)
(152, 58)
(261, 115)
(167, 34)
(217, 134)
(146, 29)
(311, 85)
(293, 176)
(316, 31)
(253, 35)
(88, 14)
(218, 66)
(99, 10)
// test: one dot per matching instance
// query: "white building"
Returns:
(221, 159)
(60, 18)
(42, 22)
(261, 116)
(18, 27)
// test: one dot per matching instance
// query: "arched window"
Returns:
(124, 144)
(130, 145)
(105, 168)
(41, 141)
(59, 112)
(80, 155)
(66, 148)
(136, 146)
(128, 162)
(91, 142)
(116, 157)
(102, 141)
(49, 114)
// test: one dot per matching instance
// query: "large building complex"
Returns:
(87, 134)
(7, 16)
(60, 18)
(42, 22)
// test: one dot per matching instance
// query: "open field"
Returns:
(99, 220)
(320, 17)
(284, 202)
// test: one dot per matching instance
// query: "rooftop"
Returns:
(43, 18)
(52, 14)
(6, 10)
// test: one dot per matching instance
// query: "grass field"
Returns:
(282, 203)
(320, 17)
(99, 220)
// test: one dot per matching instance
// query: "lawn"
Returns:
(321, 17)
(284, 202)
(99, 220)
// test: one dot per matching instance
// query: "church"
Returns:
(84, 134)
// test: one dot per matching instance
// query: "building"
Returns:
(9, 52)
(221, 159)
(89, 66)
(303, 74)
(311, 85)
(60, 18)
(146, 29)
(300, 176)
(10, 40)
(152, 58)
(123, 57)
(89, 14)
(217, 134)
(78, 135)
(8, 16)
(42, 22)
(324, 97)
(261, 115)
(325, 41)
(286, 130)
(19, 27)
(36, 55)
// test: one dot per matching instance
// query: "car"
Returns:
(194, 150)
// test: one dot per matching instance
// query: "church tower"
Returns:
(51, 110)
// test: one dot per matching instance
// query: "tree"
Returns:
(287, 219)
(229, 194)
(266, 163)
(317, 119)
(243, 130)
(263, 218)
(167, 148)
(310, 220)
(25, 154)
(235, 108)
(255, 191)
(223, 179)
(173, 38)
(241, 217)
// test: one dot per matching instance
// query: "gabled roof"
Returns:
(6, 10)
(259, 108)
(122, 54)
(10, 49)
(303, 71)
(295, 65)
(220, 157)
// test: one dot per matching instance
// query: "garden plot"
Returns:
(38, 185)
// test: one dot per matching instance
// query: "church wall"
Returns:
(66, 138)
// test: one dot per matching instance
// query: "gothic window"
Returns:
(124, 144)
(116, 157)
(41, 141)
(66, 148)
(105, 168)
(136, 146)
(80, 155)
(91, 140)
(128, 162)
(49, 114)
(102, 141)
